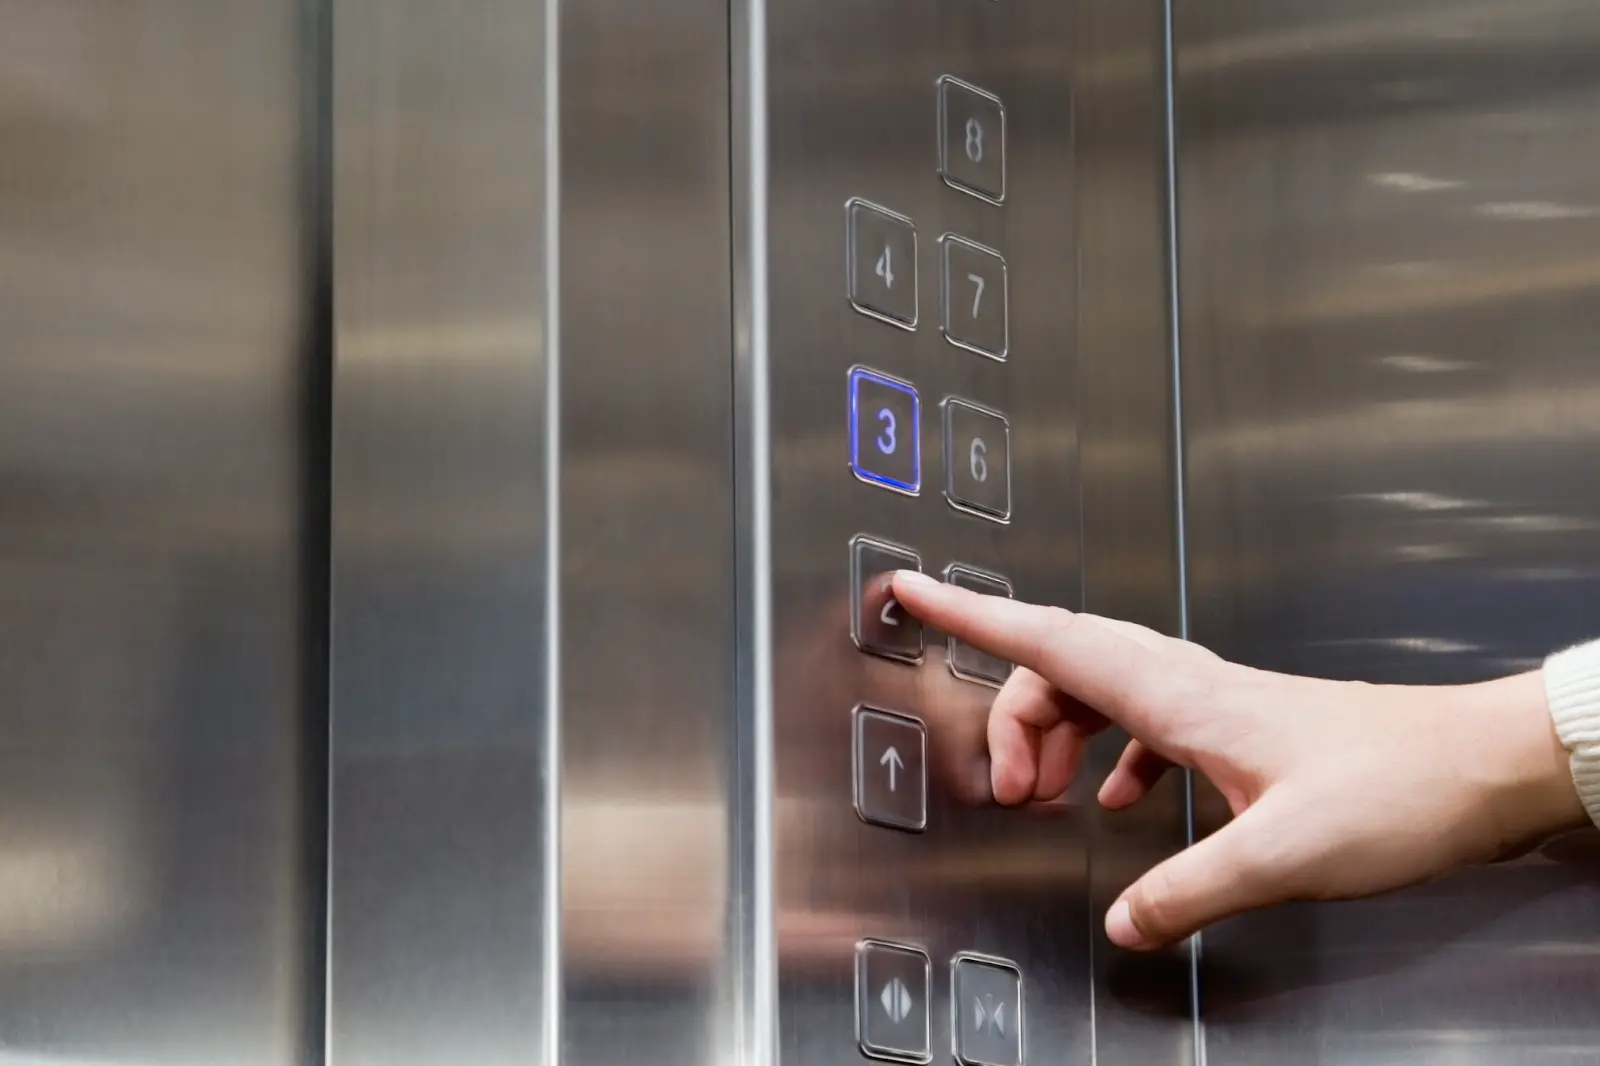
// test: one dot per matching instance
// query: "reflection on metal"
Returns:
(1390, 395)
(162, 570)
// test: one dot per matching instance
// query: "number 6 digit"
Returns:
(980, 463)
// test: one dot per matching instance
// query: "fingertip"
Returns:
(1121, 930)
(1011, 779)
(1121, 789)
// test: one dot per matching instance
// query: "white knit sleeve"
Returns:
(1572, 688)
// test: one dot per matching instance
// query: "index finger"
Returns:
(1117, 676)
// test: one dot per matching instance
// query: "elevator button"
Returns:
(967, 662)
(893, 983)
(878, 624)
(986, 1011)
(977, 459)
(975, 298)
(972, 139)
(885, 431)
(881, 263)
(891, 770)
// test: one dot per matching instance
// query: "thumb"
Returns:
(1211, 880)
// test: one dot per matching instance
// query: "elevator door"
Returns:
(162, 581)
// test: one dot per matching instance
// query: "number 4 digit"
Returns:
(886, 267)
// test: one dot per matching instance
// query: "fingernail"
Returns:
(1120, 927)
(915, 577)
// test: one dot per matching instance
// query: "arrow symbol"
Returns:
(891, 759)
(896, 1000)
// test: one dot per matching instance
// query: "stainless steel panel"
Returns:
(1389, 218)
(441, 881)
(162, 430)
(646, 512)
(835, 100)
(1131, 561)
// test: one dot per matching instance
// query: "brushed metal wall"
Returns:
(442, 886)
(1389, 217)
(835, 101)
(162, 507)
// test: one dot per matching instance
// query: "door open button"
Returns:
(892, 987)
(891, 770)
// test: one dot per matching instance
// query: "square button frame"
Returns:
(859, 767)
(857, 589)
(948, 446)
(851, 206)
(946, 83)
(863, 947)
(950, 642)
(913, 487)
(997, 963)
(945, 295)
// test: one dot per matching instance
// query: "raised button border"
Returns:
(955, 1007)
(950, 641)
(867, 539)
(945, 241)
(857, 766)
(888, 1054)
(948, 444)
(852, 380)
(945, 82)
(850, 207)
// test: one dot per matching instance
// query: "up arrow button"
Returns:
(891, 769)
(891, 759)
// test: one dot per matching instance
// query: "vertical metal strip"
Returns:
(553, 804)
(1179, 446)
(754, 942)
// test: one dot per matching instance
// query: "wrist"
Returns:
(1521, 761)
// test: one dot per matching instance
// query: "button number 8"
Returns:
(974, 140)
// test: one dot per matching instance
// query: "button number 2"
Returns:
(886, 440)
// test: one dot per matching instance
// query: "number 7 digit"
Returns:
(977, 297)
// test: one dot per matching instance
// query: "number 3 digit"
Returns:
(886, 441)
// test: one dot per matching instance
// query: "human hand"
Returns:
(1338, 789)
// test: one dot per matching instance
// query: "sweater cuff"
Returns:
(1572, 688)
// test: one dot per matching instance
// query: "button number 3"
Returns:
(886, 440)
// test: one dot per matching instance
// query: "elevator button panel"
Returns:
(879, 625)
(891, 770)
(967, 662)
(986, 1011)
(977, 459)
(885, 431)
(881, 266)
(972, 139)
(975, 300)
(893, 984)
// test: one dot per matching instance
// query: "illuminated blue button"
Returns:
(885, 431)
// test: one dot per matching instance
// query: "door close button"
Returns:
(878, 624)
(986, 1010)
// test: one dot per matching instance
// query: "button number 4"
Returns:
(885, 268)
